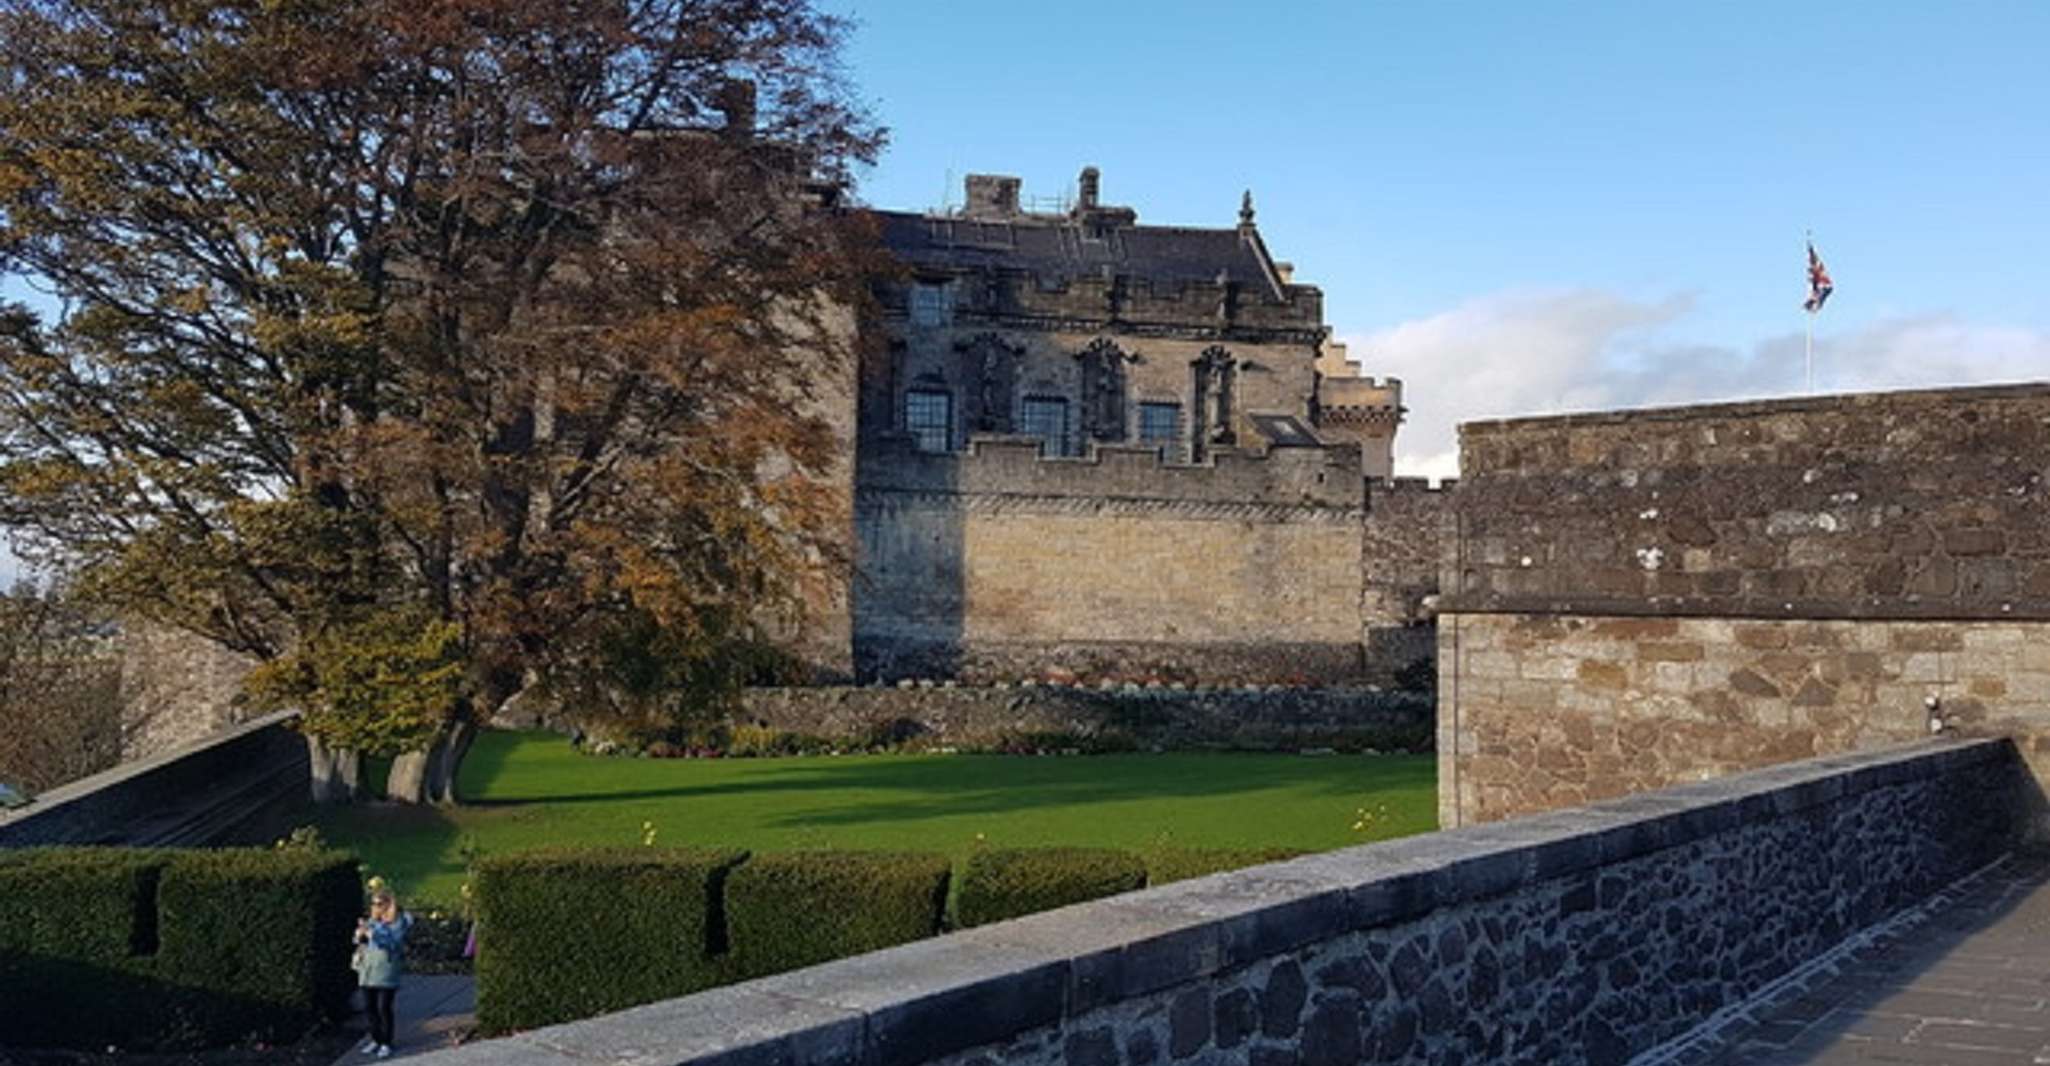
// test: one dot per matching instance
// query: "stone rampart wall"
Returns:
(1643, 597)
(1280, 719)
(1583, 936)
(1409, 526)
(1930, 504)
(176, 688)
(1543, 711)
(206, 792)
(1001, 565)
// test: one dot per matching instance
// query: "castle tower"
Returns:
(1361, 410)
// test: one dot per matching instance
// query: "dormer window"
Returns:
(932, 303)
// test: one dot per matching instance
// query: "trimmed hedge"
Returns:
(797, 909)
(169, 949)
(1008, 883)
(568, 933)
(1167, 865)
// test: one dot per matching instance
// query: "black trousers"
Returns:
(378, 1003)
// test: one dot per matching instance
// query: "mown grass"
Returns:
(524, 790)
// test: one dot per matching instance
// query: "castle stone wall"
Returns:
(1549, 710)
(1589, 936)
(1409, 526)
(1639, 598)
(176, 688)
(1283, 719)
(999, 564)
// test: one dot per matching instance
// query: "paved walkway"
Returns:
(1966, 983)
(433, 1013)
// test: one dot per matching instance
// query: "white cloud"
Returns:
(1531, 352)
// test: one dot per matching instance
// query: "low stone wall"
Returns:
(1578, 936)
(1282, 718)
(207, 792)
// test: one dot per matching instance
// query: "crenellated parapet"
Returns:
(1122, 476)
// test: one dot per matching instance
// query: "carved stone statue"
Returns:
(1103, 390)
(1216, 374)
(988, 364)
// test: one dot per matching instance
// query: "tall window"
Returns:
(931, 304)
(1045, 417)
(929, 417)
(1160, 423)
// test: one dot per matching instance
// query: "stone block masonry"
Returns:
(1000, 564)
(1557, 710)
(1638, 598)
(1585, 936)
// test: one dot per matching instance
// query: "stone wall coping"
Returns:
(1759, 408)
(914, 1003)
(1873, 609)
(85, 788)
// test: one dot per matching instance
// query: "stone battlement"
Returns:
(1382, 486)
(1013, 466)
(1020, 298)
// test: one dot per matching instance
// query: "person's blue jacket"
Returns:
(384, 956)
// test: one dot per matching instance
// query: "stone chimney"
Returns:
(991, 196)
(1086, 194)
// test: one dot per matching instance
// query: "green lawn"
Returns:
(524, 790)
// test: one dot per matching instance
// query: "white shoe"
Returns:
(384, 1051)
(369, 1045)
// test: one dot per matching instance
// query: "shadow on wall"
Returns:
(910, 579)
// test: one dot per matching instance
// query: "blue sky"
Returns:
(1528, 207)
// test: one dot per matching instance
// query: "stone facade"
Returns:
(1557, 710)
(1109, 448)
(1638, 598)
(176, 688)
(1577, 937)
(1409, 527)
(1260, 719)
(1002, 564)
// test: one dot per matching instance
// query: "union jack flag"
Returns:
(1819, 285)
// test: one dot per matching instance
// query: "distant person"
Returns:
(380, 961)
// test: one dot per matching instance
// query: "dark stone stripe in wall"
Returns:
(1282, 719)
(1192, 662)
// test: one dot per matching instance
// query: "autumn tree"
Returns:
(428, 350)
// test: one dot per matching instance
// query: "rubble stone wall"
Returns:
(1557, 710)
(1279, 719)
(1577, 937)
(1643, 597)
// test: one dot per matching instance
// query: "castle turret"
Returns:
(1356, 409)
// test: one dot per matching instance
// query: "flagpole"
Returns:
(1809, 356)
(1808, 346)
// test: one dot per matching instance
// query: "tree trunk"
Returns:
(408, 780)
(447, 760)
(335, 774)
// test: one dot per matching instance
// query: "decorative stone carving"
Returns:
(1216, 376)
(1103, 390)
(989, 365)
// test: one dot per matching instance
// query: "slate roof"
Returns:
(1054, 247)
(1284, 431)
